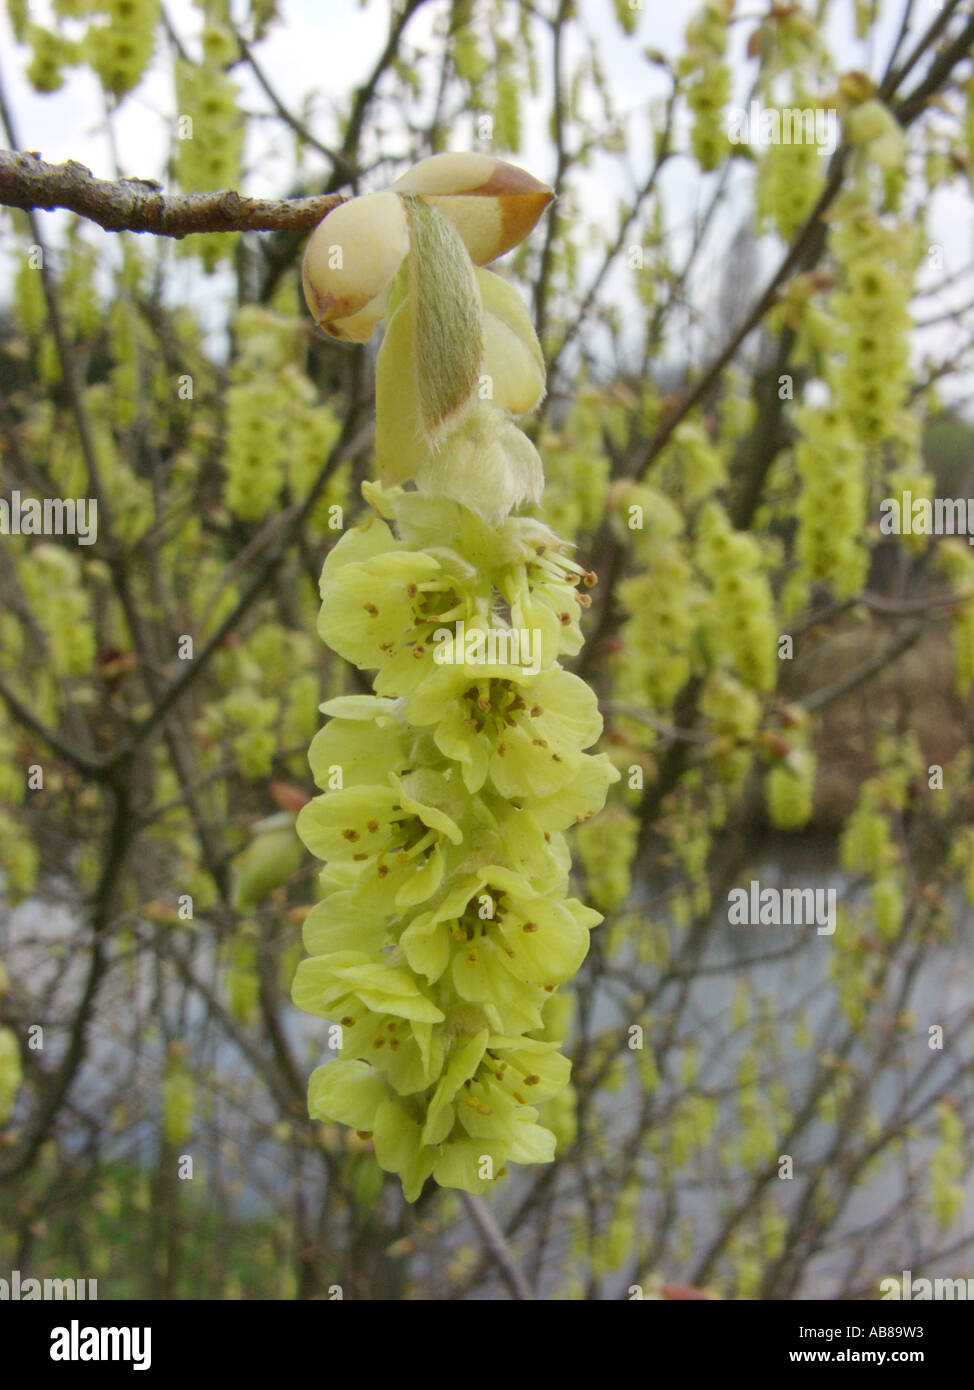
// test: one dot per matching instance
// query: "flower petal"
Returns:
(349, 1092)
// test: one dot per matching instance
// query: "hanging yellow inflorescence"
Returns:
(446, 926)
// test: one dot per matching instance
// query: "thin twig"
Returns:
(493, 1238)
(829, 693)
(89, 767)
(341, 164)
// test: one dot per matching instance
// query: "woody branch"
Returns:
(131, 205)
